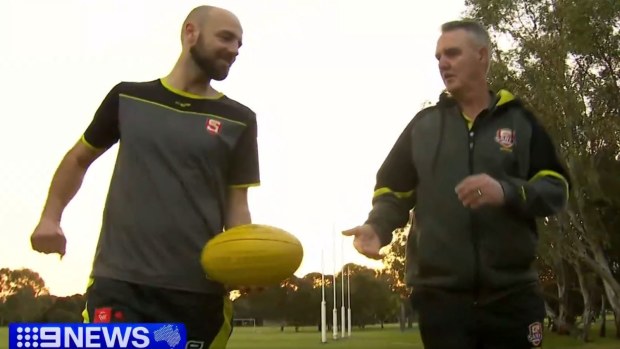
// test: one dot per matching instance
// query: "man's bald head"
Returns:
(200, 16)
(211, 38)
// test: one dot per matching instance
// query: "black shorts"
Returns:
(449, 320)
(207, 318)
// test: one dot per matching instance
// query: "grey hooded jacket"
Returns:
(486, 251)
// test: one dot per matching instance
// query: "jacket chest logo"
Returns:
(506, 138)
(213, 126)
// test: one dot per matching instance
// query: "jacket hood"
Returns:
(501, 97)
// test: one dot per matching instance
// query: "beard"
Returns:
(207, 63)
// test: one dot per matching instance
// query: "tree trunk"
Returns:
(552, 317)
(617, 323)
(613, 295)
(603, 331)
(402, 315)
(587, 304)
(560, 321)
(600, 265)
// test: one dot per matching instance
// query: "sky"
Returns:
(333, 84)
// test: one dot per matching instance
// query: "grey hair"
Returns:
(477, 31)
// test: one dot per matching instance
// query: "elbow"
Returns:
(552, 205)
(82, 156)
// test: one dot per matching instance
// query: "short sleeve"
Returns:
(244, 170)
(103, 131)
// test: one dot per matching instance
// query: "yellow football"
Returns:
(252, 255)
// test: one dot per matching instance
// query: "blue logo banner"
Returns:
(109, 335)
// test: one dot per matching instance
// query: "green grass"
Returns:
(372, 337)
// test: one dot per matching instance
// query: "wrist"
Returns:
(50, 215)
(514, 194)
(385, 236)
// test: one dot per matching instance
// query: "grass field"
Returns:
(370, 338)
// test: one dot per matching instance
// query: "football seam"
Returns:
(229, 241)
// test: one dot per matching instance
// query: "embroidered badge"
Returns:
(505, 137)
(535, 334)
(213, 126)
(103, 315)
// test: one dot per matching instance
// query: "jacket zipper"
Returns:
(474, 231)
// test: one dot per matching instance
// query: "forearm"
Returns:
(542, 196)
(66, 182)
(238, 210)
(394, 194)
(238, 216)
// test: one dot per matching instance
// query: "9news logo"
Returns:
(112, 335)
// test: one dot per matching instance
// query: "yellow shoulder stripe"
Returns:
(386, 190)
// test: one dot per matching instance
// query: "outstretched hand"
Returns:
(366, 241)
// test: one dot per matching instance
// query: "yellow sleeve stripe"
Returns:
(241, 186)
(85, 142)
(386, 190)
(549, 173)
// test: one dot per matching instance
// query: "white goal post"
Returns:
(244, 322)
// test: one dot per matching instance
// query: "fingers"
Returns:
(61, 245)
(472, 198)
(245, 289)
(351, 232)
(471, 191)
(49, 244)
(464, 184)
(367, 248)
(366, 242)
(468, 184)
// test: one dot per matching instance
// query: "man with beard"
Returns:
(187, 155)
(479, 169)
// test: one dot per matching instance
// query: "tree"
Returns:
(11, 281)
(369, 295)
(302, 302)
(61, 309)
(266, 305)
(19, 291)
(395, 262)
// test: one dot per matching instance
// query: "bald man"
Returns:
(187, 155)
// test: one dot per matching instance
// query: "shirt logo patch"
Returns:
(505, 137)
(213, 126)
(103, 315)
(535, 334)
